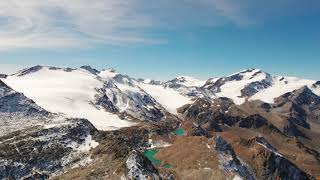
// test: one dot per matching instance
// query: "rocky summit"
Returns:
(83, 123)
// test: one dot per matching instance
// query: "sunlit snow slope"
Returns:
(67, 92)
(167, 97)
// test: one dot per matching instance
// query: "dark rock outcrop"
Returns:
(17, 111)
(90, 69)
(229, 159)
(139, 167)
(254, 87)
(30, 70)
(271, 166)
(38, 153)
(249, 90)
(300, 106)
(222, 113)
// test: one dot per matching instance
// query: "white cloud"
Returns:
(72, 23)
(85, 23)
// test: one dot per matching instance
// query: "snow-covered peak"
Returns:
(188, 81)
(282, 85)
(249, 74)
(108, 73)
(67, 91)
(28, 70)
(244, 71)
(239, 86)
(90, 69)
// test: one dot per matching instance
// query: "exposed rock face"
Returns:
(13, 102)
(222, 116)
(222, 113)
(90, 69)
(254, 87)
(302, 96)
(250, 89)
(274, 166)
(140, 167)
(268, 163)
(301, 106)
(105, 98)
(259, 140)
(3, 76)
(29, 70)
(17, 111)
(229, 160)
(138, 103)
(38, 153)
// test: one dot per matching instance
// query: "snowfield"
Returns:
(168, 98)
(282, 85)
(189, 81)
(70, 93)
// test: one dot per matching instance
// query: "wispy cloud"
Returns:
(72, 23)
(86, 23)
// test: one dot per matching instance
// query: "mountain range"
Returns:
(65, 123)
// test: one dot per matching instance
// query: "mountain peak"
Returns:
(187, 81)
(90, 69)
(29, 70)
(108, 73)
(316, 84)
(3, 76)
(4, 88)
(304, 95)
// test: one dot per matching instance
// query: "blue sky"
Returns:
(163, 39)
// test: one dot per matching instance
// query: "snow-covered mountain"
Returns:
(251, 84)
(111, 100)
(186, 81)
(108, 99)
(66, 91)
(254, 84)
(51, 118)
(126, 95)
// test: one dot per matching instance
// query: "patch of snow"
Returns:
(189, 81)
(136, 170)
(70, 93)
(275, 152)
(208, 146)
(316, 90)
(236, 177)
(282, 85)
(88, 144)
(167, 97)
(108, 74)
(147, 81)
(158, 144)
